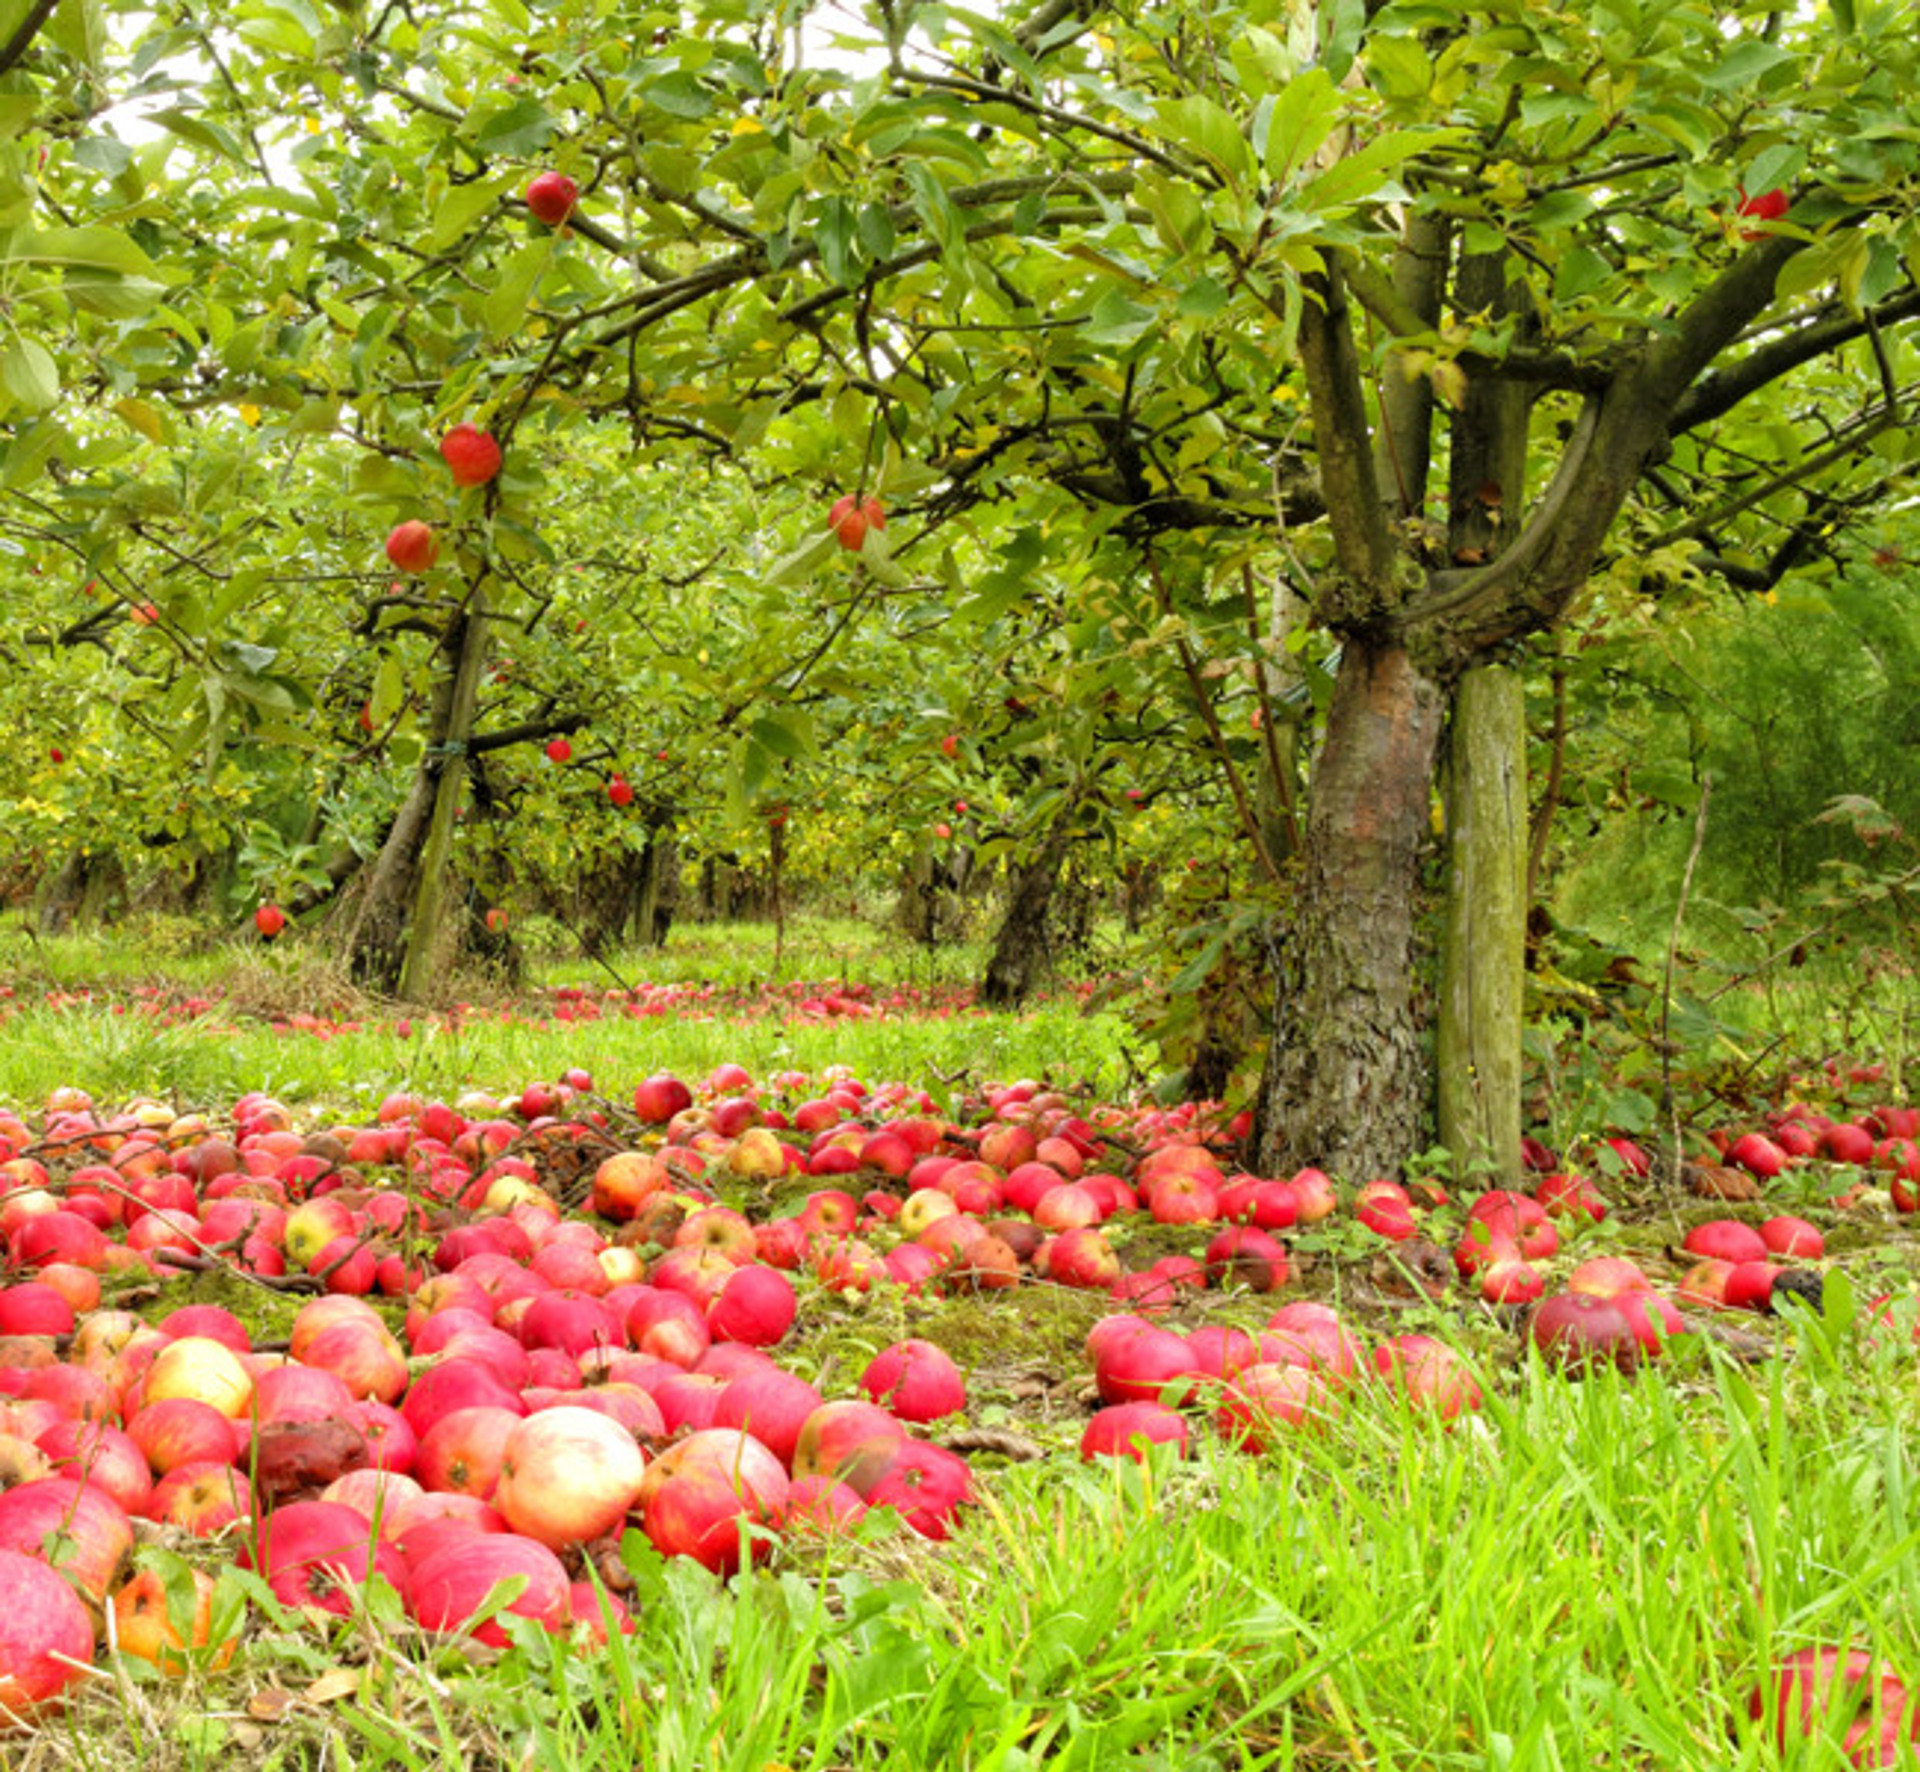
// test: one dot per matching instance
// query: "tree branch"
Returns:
(1362, 540)
(1720, 392)
(13, 51)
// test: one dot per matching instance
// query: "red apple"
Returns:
(1244, 1255)
(1793, 1238)
(269, 919)
(852, 516)
(1428, 1373)
(755, 1306)
(551, 197)
(659, 1098)
(1579, 1332)
(1726, 1239)
(315, 1553)
(412, 546)
(72, 1522)
(1127, 1429)
(46, 1637)
(471, 455)
(1261, 1401)
(1879, 1714)
(454, 1582)
(916, 1380)
(203, 1498)
(849, 1441)
(926, 1484)
(568, 1475)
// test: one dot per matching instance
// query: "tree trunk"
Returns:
(430, 890)
(377, 939)
(1483, 936)
(1020, 945)
(659, 894)
(1346, 1080)
(1484, 939)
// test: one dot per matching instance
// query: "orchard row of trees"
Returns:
(1260, 397)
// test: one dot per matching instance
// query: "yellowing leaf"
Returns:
(249, 413)
(339, 1682)
(142, 417)
(747, 126)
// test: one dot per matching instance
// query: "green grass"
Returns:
(1590, 1575)
(115, 1044)
(1586, 1575)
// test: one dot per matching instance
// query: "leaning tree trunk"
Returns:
(381, 942)
(1484, 932)
(1346, 1080)
(1020, 945)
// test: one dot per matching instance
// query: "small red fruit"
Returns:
(471, 455)
(269, 919)
(496, 920)
(1768, 206)
(851, 518)
(412, 546)
(551, 197)
(559, 751)
(620, 791)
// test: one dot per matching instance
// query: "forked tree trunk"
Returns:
(1346, 1081)
(1483, 935)
(377, 943)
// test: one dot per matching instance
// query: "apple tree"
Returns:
(1413, 323)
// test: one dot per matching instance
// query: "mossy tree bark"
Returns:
(1347, 1084)
(386, 924)
(1484, 931)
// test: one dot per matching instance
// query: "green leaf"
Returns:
(517, 129)
(1302, 120)
(97, 249)
(506, 307)
(1209, 130)
(30, 375)
(1205, 298)
(201, 133)
(1115, 320)
(788, 734)
(459, 209)
(834, 234)
(804, 561)
(102, 154)
(1745, 64)
(1359, 177)
(388, 687)
(679, 94)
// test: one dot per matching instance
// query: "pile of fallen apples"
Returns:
(539, 1381)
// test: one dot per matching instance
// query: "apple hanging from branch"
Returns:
(852, 516)
(412, 546)
(551, 197)
(471, 455)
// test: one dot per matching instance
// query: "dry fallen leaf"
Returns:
(339, 1682)
(1710, 1181)
(271, 1704)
